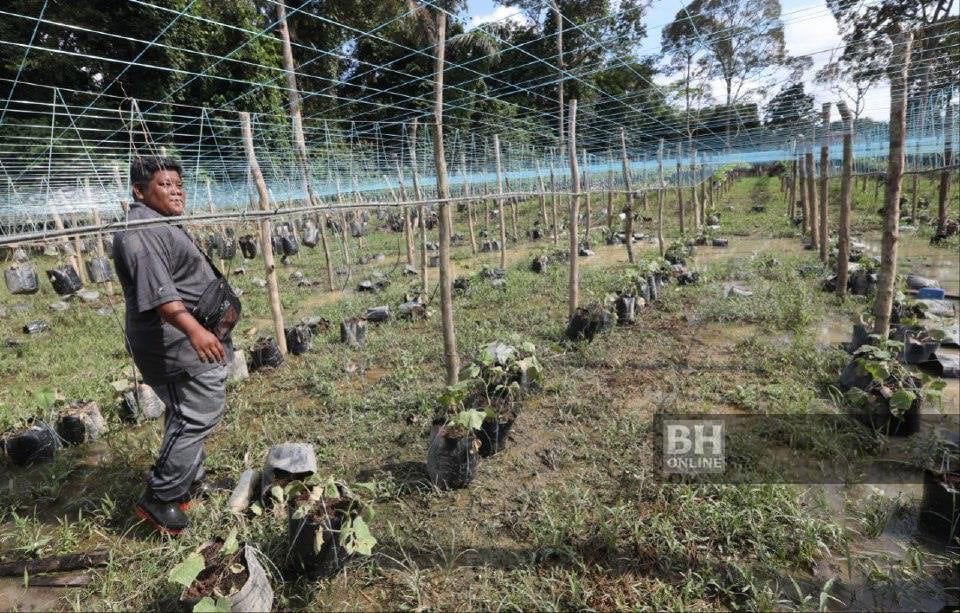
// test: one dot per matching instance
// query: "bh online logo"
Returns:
(693, 446)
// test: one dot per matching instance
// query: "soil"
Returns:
(216, 577)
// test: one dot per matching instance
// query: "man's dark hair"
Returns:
(142, 168)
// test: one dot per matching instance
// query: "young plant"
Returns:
(220, 565)
(504, 371)
(333, 498)
(891, 379)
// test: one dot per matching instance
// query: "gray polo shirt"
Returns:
(155, 265)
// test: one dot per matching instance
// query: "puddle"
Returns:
(916, 255)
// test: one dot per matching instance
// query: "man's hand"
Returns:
(205, 343)
(207, 346)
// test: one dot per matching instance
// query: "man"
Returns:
(163, 275)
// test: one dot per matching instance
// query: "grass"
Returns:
(572, 515)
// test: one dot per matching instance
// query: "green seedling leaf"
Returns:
(330, 489)
(256, 509)
(901, 400)
(209, 605)
(230, 545)
(277, 492)
(185, 573)
(470, 419)
(528, 347)
(236, 569)
(357, 539)
(45, 398)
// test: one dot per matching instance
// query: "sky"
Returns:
(809, 29)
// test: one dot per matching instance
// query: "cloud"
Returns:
(501, 13)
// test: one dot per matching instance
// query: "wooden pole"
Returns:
(944, 188)
(680, 188)
(886, 285)
(542, 195)
(812, 195)
(586, 196)
(553, 203)
(500, 203)
(421, 210)
(558, 26)
(451, 358)
(802, 186)
(660, 197)
(78, 249)
(574, 210)
(407, 226)
(628, 186)
(824, 180)
(299, 141)
(846, 178)
(695, 202)
(266, 245)
(469, 204)
(609, 193)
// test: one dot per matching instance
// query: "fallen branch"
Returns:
(73, 561)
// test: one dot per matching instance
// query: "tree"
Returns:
(850, 82)
(742, 40)
(683, 48)
(790, 107)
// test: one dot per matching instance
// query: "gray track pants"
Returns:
(194, 407)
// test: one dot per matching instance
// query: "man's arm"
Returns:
(205, 343)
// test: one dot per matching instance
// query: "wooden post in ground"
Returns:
(553, 203)
(266, 245)
(695, 202)
(812, 194)
(468, 203)
(586, 196)
(421, 209)
(846, 180)
(944, 188)
(451, 357)
(500, 203)
(886, 284)
(792, 191)
(574, 296)
(922, 97)
(407, 226)
(541, 196)
(628, 186)
(802, 187)
(824, 180)
(101, 249)
(660, 188)
(680, 188)
(609, 193)
(299, 141)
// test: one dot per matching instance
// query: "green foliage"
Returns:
(186, 572)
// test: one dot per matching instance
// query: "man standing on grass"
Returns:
(163, 275)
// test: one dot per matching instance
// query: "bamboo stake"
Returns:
(693, 189)
(586, 195)
(266, 245)
(680, 188)
(944, 188)
(407, 226)
(541, 196)
(553, 203)
(812, 195)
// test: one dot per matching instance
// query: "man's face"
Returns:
(163, 193)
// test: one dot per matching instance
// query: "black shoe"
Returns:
(203, 488)
(165, 517)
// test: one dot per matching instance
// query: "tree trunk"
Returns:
(824, 179)
(574, 298)
(500, 203)
(899, 67)
(846, 180)
(628, 186)
(944, 191)
(266, 244)
(660, 189)
(451, 358)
